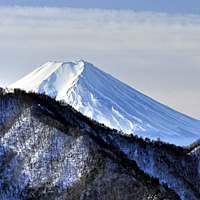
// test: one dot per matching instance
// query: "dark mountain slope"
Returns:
(50, 151)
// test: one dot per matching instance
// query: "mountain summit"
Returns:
(100, 96)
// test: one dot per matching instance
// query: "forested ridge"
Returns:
(70, 152)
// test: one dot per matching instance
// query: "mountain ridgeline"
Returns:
(48, 150)
(107, 100)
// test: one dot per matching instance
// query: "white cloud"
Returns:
(156, 53)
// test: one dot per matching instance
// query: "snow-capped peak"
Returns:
(107, 100)
(60, 76)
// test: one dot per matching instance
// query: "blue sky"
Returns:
(154, 46)
(169, 6)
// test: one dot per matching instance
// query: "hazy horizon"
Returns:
(156, 53)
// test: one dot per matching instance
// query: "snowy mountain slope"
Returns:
(50, 151)
(98, 95)
(46, 153)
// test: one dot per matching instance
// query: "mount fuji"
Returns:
(107, 100)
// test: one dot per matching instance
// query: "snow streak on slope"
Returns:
(107, 100)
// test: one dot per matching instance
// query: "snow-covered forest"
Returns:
(48, 150)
